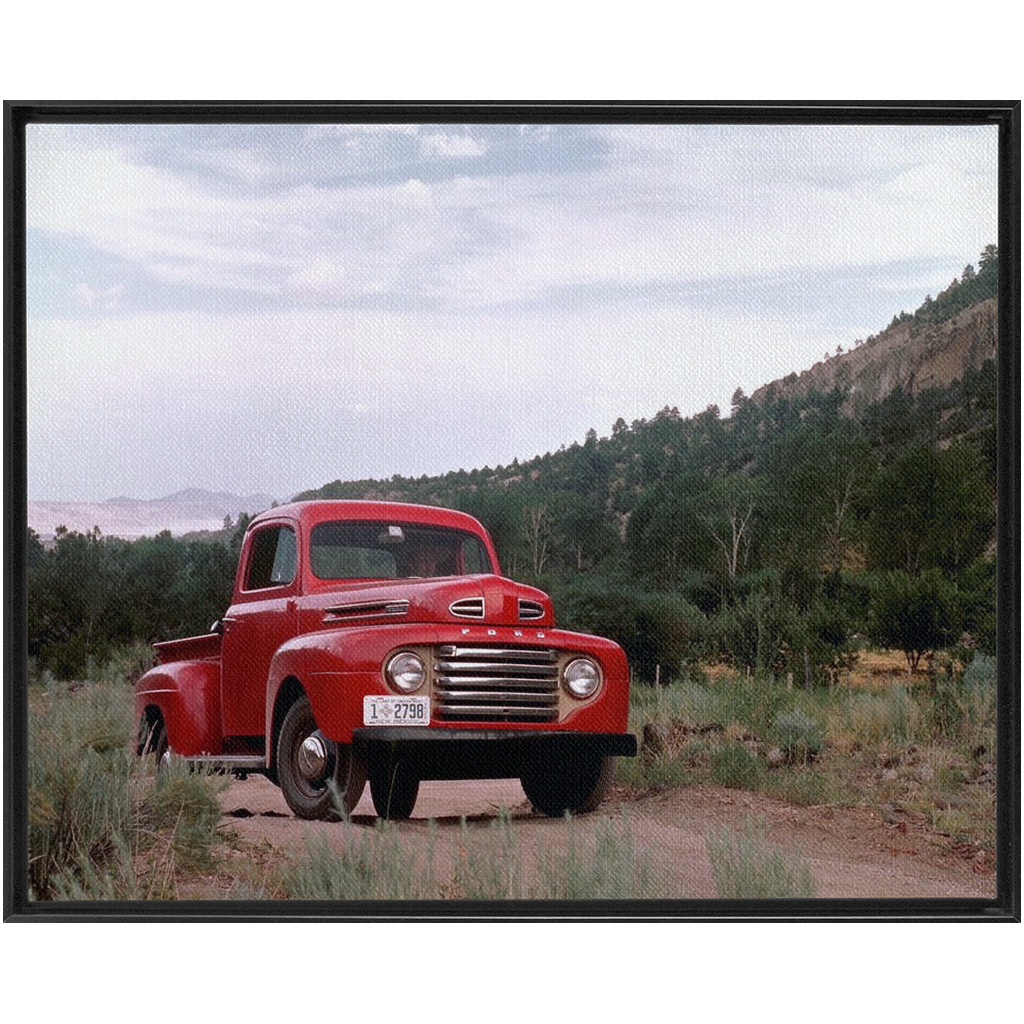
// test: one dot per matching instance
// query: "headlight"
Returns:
(581, 678)
(406, 672)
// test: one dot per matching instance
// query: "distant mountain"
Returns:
(188, 511)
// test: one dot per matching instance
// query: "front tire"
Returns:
(577, 787)
(309, 765)
(394, 790)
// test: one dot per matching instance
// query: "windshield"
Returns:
(347, 550)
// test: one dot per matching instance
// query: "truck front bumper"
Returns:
(431, 753)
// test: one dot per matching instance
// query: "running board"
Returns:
(228, 762)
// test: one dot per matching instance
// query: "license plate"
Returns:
(396, 710)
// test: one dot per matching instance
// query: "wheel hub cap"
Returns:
(313, 757)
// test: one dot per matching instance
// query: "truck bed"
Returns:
(191, 648)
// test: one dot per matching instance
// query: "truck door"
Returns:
(264, 615)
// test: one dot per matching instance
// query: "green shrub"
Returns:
(871, 718)
(980, 694)
(667, 771)
(115, 878)
(945, 712)
(798, 736)
(127, 663)
(752, 702)
(962, 710)
(751, 635)
(805, 787)
(489, 865)
(734, 766)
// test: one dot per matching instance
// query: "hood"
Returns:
(485, 600)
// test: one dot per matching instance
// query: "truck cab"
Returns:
(379, 641)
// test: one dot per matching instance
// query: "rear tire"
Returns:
(309, 765)
(577, 787)
(154, 744)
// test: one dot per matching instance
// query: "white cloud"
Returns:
(323, 276)
(99, 298)
(668, 202)
(450, 144)
(244, 164)
(730, 201)
(87, 192)
(321, 131)
(413, 193)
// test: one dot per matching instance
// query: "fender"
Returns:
(187, 694)
(318, 660)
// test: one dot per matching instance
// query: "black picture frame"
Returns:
(1005, 115)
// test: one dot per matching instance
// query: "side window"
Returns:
(272, 558)
(474, 558)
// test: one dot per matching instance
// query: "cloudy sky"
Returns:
(266, 308)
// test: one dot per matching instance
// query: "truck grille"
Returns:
(487, 684)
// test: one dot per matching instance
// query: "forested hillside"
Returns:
(777, 537)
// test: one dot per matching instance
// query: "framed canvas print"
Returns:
(483, 511)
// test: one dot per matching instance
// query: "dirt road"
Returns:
(852, 852)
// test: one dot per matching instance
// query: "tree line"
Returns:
(777, 539)
(89, 594)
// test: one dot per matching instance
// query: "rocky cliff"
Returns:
(913, 354)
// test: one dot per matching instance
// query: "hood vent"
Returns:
(530, 610)
(468, 608)
(366, 610)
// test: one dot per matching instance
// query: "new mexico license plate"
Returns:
(396, 710)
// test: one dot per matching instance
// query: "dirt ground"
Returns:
(852, 852)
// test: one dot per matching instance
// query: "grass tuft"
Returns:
(744, 867)
(486, 863)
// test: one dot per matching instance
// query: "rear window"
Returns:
(347, 550)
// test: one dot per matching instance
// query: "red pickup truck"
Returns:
(380, 640)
